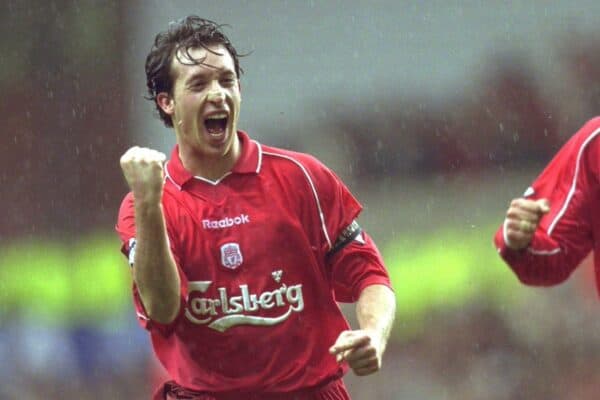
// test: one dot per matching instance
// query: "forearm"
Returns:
(154, 270)
(375, 311)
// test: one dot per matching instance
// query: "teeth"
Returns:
(217, 116)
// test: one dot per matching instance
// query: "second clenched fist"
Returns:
(522, 219)
(143, 171)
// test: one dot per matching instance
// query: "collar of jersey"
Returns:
(248, 163)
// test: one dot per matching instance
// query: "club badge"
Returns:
(231, 255)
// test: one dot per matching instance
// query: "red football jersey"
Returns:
(566, 234)
(259, 280)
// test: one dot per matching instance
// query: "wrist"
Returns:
(147, 199)
(378, 338)
(147, 205)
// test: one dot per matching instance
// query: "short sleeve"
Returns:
(126, 224)
(357, 263)
(126, 230)
(337, 206)
(354, 267)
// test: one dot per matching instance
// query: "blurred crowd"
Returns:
(513, 114)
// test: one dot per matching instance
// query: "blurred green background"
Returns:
(435, 115)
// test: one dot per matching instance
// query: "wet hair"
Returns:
(182, 36)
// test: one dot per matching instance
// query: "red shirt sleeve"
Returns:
(359, 263)
(565, 234)
(126, 223)
(338, 206)
(126, 230)
(356, 266)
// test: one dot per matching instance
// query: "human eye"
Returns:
(228, 81)
(197, 85)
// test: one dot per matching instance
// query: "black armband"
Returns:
(352, 232)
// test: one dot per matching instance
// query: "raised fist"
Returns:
(143, 171)
(522, 219)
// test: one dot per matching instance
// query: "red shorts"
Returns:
(331, 390)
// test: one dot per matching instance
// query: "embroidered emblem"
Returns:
(231, 255)
(277, 275)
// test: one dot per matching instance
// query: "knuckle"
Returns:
(512, 225)
(511, 213)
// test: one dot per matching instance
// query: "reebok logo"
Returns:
(226, 222)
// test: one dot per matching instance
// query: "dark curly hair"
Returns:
(185, 34)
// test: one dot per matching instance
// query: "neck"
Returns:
(209, 166)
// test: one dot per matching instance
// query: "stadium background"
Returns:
(435, 114)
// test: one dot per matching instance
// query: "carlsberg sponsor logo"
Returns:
(226, 222)
(226, 311)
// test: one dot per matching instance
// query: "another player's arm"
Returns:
(522, 219)
(154, 269)
(546, 253)
(536, 257)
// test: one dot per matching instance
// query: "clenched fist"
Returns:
(361, 349)
(143, 171)
(522, 219)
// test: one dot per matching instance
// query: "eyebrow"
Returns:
(204, 74)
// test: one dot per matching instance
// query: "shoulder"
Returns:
(592, 124)
(589, 131)
(288, 161)
(298, 165)
(291, 158)
(583, 141)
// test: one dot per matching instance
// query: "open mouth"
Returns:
(216, 124)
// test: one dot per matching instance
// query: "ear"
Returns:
(166, 103)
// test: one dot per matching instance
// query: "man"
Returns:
(550, 230)
(239, 251)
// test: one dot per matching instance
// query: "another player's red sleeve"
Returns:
(126, 230)
(565, 234)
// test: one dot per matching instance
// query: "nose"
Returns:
(216, 96)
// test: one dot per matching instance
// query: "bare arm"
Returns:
(154, 270)
(375, 311)
(363, 349)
